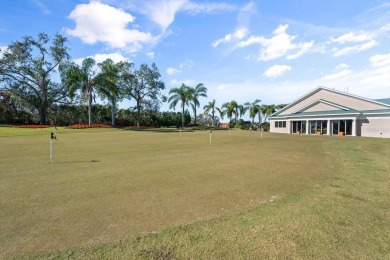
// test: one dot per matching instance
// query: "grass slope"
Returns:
(280, 197)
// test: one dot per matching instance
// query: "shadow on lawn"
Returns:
(91, 161)
(157, 130)
(174, 130)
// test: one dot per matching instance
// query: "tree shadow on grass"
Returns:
(174, 130)
(90, 161)
(157, 130)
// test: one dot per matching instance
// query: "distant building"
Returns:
(325, 111)
(223, 125)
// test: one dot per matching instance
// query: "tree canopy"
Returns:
(199, 91)
(212, 107)
(183, 95)
(143, 85)
(26, 70)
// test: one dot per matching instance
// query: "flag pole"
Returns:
(51, 148)
(52, 136)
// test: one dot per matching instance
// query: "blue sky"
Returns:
(273, 50)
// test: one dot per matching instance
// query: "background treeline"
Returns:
(68, 114)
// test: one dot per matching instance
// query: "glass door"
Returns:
(303, 127)
(335, 127)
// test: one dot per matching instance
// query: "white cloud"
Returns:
(97, 22)
(177, 83)
(239, 34)
(208, 7)
(188, 64)
(342, 66)
(373, 82)
(150, 55)
(278, 45)
(252, 40)
(385, 28)
(361, 39)
(163, 12)
(341, 71)
(245, 14)
(42, 7)
(378, 75)
(354, 49)
(115, 57)
(241, 31)
(352, 37)
(303, 48)
(276, 71)
(172, 71)
(380, 60)
(336, 75)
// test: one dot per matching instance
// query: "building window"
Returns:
(318, 127)
(280, 124)
(342, 127)
(299, 127)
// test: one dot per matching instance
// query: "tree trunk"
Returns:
(182, 115)
(259, 121)
(42, 116)
(194, 114)
(43, 109)
(113, 112)
(212, 119)
(90, 110)
(138, 113)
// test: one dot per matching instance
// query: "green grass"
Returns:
(153, 194)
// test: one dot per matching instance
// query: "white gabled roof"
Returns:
(320, 101)
(328, 89)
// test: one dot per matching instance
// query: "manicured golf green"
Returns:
(283, 196)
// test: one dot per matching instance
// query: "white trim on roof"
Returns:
(315, 115)
(312, 104)
(375, 113)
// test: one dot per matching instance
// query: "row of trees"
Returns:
(114, 82)
(27, 69)
(188, 96)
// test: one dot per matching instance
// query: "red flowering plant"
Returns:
(84, 126)
(31, 126)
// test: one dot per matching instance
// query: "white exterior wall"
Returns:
(375, 126)
(283, 130)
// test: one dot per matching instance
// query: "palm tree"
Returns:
(183, 95)
(233, 107)
(254, 109)
(109, 76)
(280, 106)
(267, 110)
(84, 78)
(199, 91)
(211, 107)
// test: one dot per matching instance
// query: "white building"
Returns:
(326, 111)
